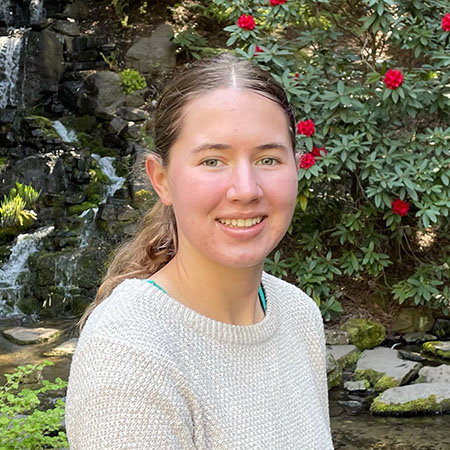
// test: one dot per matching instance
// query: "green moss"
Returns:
(432, 348)
(334, 377)
(3, 163)
(349, 360)
(386, 382)
(364, 333)
(76, 210)
(379, 381)
(419, 406)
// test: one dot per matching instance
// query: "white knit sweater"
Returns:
(150, 373)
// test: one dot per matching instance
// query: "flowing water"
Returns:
(68, 136)
(37, 11)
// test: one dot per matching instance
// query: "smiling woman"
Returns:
(191, 345)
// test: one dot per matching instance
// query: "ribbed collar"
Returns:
(178, 315)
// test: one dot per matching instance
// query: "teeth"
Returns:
(241, 223)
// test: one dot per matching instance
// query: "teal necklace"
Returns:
(262, 297)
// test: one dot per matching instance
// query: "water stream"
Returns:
(37, 11)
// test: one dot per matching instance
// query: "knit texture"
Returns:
(150, 373)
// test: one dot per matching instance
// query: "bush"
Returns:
(131, 80)
(370, 82)
(13, 209)
(22, 424)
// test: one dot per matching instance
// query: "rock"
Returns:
(418, 337)
(25, 336)
(361, 385)
(154, 54)
(384, 369)
(441, 328)
(345, 355)
(65, 349)
(130, 113)
(440, 374)
(364, 333)
(133, 131)
(117, 125)
(438, 348)
(336, 337)
(69, 27)
(410, 320)
(109, 95)
(107, 212)
(334, 371)
(126, 212)
(137, 98)
(76, 10)
(422, 398)
(411, 356)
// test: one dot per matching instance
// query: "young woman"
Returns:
(191, 345)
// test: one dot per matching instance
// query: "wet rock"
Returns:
(345, 355)
(109, 95)
(422, 398)
(137, 98)
(117, 125)
(441, 328)
(133, 131)
(25, 336)
(364, 333)
(384, 369)
(130, 113)
(440, 374)
(65, 349)
(336, 337)
(411, 356)
(126, 213)
(361, 385)
(154, 54)
(440, 349)
(334, 371)
(76, 10)
(68, 27)
(418, 337)
(411, 320)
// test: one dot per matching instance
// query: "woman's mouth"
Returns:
(241, 223)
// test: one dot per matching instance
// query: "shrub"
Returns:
(13, 209)
(22, 424)
(131, 80)
(370, 82)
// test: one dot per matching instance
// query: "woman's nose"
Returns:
(244, 185)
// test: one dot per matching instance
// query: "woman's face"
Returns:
(231, 178)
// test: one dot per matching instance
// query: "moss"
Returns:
(143, 199)
(432, 348)
(419, 406)
(364, 333)
(76, 210)
(386, 382)
(3, 163)
(378, 380)
(43, 123)
(334, 377)
(349, 360)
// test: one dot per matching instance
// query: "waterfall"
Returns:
(37, 11)
(66, 135)
(10, 53)
(6, 14)
(10, 286)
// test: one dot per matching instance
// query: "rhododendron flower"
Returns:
(258, 49)
(306, 127)
(393, 79)
(318, 152)
(246, 22)
(277, 2)
(400, 207)
(306, 161)
(446, 22)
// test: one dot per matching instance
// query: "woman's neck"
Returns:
(222, 293)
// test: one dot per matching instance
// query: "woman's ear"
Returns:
(157, 174)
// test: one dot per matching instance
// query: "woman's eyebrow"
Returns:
(212, 146)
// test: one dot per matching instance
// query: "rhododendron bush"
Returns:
(370, 82)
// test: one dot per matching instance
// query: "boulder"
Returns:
(334, 371)
(441, 349)
(130, 113)
(418, 337)
(440, 374)
(410, 320)
(383, 368)
(421, 398)
(345, 355)
(364, 333)
(155, 54)
(68, 27)
(336, 337)
(25, 336)
(108, 92)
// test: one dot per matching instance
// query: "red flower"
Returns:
(400, 207)
(306, 127)
(306, 161)
(318, 152)
(246, 22)
(277, 2)
(393, 79)
(446, 22)
(258, 49)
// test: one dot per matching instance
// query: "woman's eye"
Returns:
(211, 162)
(268, 161)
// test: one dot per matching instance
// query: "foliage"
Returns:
(22, 424)
(14, 209)
(373, 77)
(131, 80)
(111, 60)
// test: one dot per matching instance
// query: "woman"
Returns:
(190, 344)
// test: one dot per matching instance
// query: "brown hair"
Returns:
(155, 243)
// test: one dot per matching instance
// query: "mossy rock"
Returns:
(28, 305)
(379, 381)
(76, 210)
(437, 348)
(334, 372)
(143, 200)
(364, 333)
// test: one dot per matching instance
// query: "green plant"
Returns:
(14, 208)
(131, 80)
(111, 60)
(370, 82)
(22, 424)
